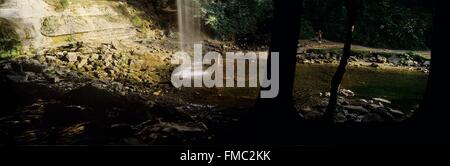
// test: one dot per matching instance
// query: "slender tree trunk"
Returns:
(339, 75)
(285, 37)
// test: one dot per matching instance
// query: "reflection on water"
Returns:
(404, 88)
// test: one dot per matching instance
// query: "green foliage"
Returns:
(64, 4)
(398, 24)
(307, 30)
(237, 19)
(10, 45)
(380, 23)
(137, 21)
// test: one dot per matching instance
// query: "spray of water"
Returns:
(188, 24)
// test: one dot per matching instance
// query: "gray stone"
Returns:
(408, 62)
(363, 101)
(381, 59)
(60, 54)
(83, 61)
(312, 115)
(52, 78)
(50, 59)
(347, 93)
(33, 66)
(381, 100)
(396, 112)
(374, 65)
(358, 109)
(340, 118)
(71, 57)
(94, 57)
(17, 78)
(373, 118)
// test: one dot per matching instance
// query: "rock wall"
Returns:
(42, 22)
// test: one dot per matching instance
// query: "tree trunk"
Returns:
(339, 75)
(432, 116)
(284, 39)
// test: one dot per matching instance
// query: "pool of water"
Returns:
(404, 88)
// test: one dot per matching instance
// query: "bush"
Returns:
(137, 21)
(307, 30)
(10, 44)
(64, 4)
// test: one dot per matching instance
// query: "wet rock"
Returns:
(62, 115)
(312, 115)
(133, 141)
(139, 52)
(82, 61)
(157, 93)
(374, 65)
(346, 93)
(353, 59)
(408, 62)
(52, 78)
(17, 67)
(356, 109)
(306, 62)
(17, 78)
(375, 106)
(396, 112)
(51, 59)
(94, 57)
(394, 60)
(381, 100)
(381, 59)
(363, 101)
(426, 63)
(340, 118)
(121, 129)
(373, 118)
(60, 54)
(117, 86)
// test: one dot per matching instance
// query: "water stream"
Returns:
(188, 24)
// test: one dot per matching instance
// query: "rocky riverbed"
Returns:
(408, 60)
(104, 93)
(356, 110)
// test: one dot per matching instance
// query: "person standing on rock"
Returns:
(319, 35)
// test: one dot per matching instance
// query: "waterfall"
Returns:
(188, 24)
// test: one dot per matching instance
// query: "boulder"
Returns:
(374, 65)
(17, 78)
(381, 100)
(71, 57)
(373, 118)
(346, 93)
(357, 109)
(396, 112)
(381, 59)
(394, 59)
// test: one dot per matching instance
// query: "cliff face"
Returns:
(53, 22)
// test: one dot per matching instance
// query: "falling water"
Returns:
(188, 24)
